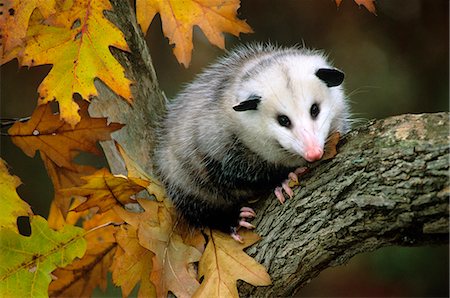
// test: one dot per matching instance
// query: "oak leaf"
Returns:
(368, 4)
(135, 170)
(172, 258)
(64, 178)
(132, 263)
(105, 190)
(330, 149)
(27, 262)
(14, 23)
(179, 17)
(60, 142)
(76, 42)
(81, 277)
(12, 206)
(224, 262)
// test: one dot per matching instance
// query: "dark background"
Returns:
(396, 62)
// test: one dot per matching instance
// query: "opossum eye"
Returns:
(314, 111)
(284, 120)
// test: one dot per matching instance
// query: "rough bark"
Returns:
(388, 185)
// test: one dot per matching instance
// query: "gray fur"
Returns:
(208, 170)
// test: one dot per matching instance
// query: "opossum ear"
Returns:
(250, 104)
(330, 76)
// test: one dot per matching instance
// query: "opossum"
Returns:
(242, 127)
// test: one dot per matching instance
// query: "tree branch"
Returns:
(388, 185)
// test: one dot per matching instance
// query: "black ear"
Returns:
(250, 104)
(330, 76)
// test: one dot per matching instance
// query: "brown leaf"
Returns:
(213, 17)
(132, 263)
(46, 132)
(135, 170)
(104, 190)
(172, 260)
(224, 262)
(330, 150)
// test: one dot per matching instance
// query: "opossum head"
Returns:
(286, 106)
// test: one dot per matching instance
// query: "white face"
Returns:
(296, 113)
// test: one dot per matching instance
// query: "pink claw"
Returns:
(246, 215)
(300, 171)
(246, 225)
(248, 209)
(279, 194)
(236, 237)
(287, 189)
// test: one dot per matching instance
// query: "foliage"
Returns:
(150, 248)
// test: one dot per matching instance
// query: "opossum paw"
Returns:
(287, 189)
(247, 213)
(285, 185)
(235, 235)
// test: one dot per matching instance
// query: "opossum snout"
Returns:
(313, 154)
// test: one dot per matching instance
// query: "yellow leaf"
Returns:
(14, 23)
(105, 190)
(224, 262)
(76, 41)
(179, 17)
(12, 206)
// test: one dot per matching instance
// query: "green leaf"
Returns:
(26, 263)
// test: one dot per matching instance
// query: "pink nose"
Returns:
(313, 154)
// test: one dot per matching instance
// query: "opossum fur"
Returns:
(242, 125)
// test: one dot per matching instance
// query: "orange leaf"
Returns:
(14, 23)
(58, 140)
(224, 262)
(63, 178)
(179, 17)
(368, 4)
(104, 190)
(132, 263)
(76, 41)
(81, 277)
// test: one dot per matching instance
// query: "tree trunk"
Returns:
(388, 185)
